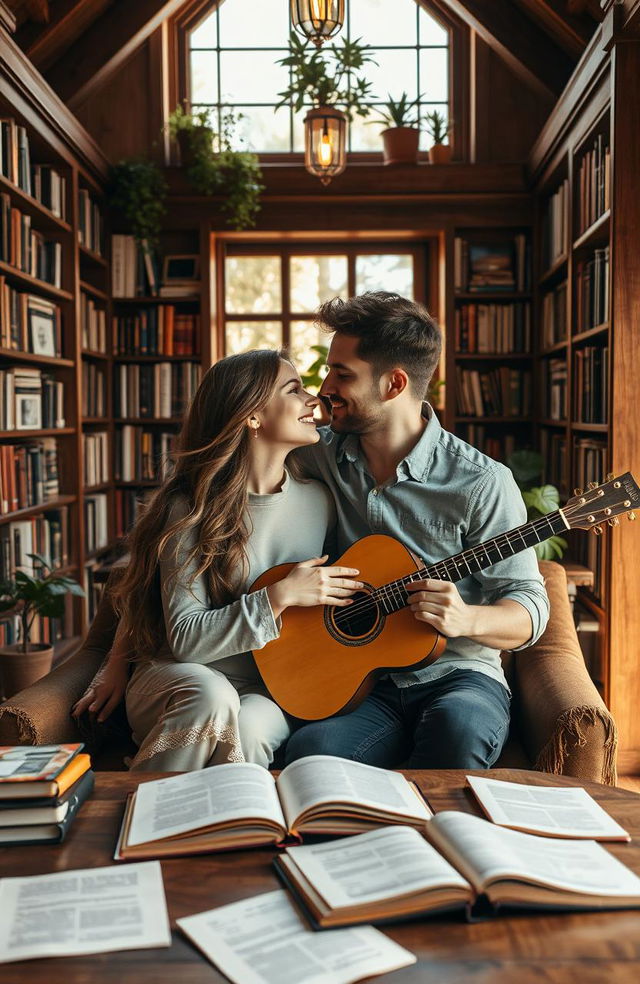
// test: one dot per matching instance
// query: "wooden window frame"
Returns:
(459, 80)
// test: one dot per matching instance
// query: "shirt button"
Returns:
(375, 492)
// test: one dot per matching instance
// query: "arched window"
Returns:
(232, 48)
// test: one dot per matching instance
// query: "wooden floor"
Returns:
(629, 782)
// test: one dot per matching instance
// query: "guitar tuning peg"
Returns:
(597, 530)
(614, 521)
(610, 477)
(577, 491)
(631, 516)
(592, 485)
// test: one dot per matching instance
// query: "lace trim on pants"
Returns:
(173, 740)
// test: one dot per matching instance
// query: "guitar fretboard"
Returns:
(393, 596)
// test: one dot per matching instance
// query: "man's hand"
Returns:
(439, 604)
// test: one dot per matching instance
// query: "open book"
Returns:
(466, 862)
(241, 805)
(555, 811)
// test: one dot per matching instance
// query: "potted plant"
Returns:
(138, 190)
(329, 85)
(401, 135)
(213, 167)
(438, 128)
(41, 593)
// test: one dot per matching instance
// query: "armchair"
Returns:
(560, 723)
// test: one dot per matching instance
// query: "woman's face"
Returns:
(288, 416)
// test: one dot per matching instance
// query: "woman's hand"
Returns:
(106, 690)
(309, 583)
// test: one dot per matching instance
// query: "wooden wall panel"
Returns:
(508, 115)
(118, 115)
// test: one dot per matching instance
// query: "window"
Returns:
(233, 49)
(271, 293)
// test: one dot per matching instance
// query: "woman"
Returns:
(229, 511)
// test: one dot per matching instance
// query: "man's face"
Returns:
(351, 389)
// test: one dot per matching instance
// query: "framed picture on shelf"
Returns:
(179, 270)
(28, 411)
(42, 331)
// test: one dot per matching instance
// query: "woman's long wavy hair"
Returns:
(211, 469)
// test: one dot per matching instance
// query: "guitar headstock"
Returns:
(603, 503)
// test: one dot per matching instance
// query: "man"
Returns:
(393, 469)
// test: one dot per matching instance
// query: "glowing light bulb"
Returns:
(325, 150)
(316, 15)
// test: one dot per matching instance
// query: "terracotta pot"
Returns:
(440, 154)
(19, 670)
(401, 145)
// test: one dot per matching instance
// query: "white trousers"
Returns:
(187, 716)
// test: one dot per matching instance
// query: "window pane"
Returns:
(395, 73)
(385, 271)
(261, 129)
(204, 77)
(383, 21)
(431, 32)
(251, 76)
(253, 284)
(364, 135)
(315, 279)
(206, 34)
(426, 140)
(304, 334)
(242, 336)
(434, 74)
(251, 24)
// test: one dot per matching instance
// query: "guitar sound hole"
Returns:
(358, 623)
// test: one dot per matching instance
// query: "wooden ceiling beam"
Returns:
(68, 19)
(571, 32)
(528, 50)
(105, 46)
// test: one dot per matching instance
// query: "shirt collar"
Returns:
(417, 463)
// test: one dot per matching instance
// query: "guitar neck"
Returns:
(393, 596)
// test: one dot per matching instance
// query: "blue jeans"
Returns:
(460, 721)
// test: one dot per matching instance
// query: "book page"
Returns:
(381, 864)
(92, 910)
(560, 811)
(237, 791)
(496, 852)
(263, 940)
(327, 779)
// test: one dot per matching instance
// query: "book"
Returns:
(46, 832)
(462, 862)
(17, 787)
(242, 805)
(31, 763)
(555, 811)
(42, 809)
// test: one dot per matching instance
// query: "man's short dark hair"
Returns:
(392, 331)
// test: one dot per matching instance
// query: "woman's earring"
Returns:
(256, 426)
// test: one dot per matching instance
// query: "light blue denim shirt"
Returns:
(446, 496)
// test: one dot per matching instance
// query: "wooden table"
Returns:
(589, 948)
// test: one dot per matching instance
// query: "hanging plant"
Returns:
(213, 167)
(138, 190)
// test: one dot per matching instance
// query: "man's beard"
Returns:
(358, 421)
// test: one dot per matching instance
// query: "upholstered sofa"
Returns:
(560, 723)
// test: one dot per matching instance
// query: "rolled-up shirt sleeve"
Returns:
(496, 507)
(196, 631)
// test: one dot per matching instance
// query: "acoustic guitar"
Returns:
(327, 659)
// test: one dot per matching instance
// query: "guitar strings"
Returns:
(448, 564)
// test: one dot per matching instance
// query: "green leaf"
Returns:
(526, 467)
(551, 549)
(544, 498)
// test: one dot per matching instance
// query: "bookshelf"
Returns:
(491, 357)
(52, 177)
(157, 364)
(591, 144)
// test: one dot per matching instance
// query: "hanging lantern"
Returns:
(317, 19)
(325, 142)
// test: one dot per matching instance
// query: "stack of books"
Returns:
(42, 787)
